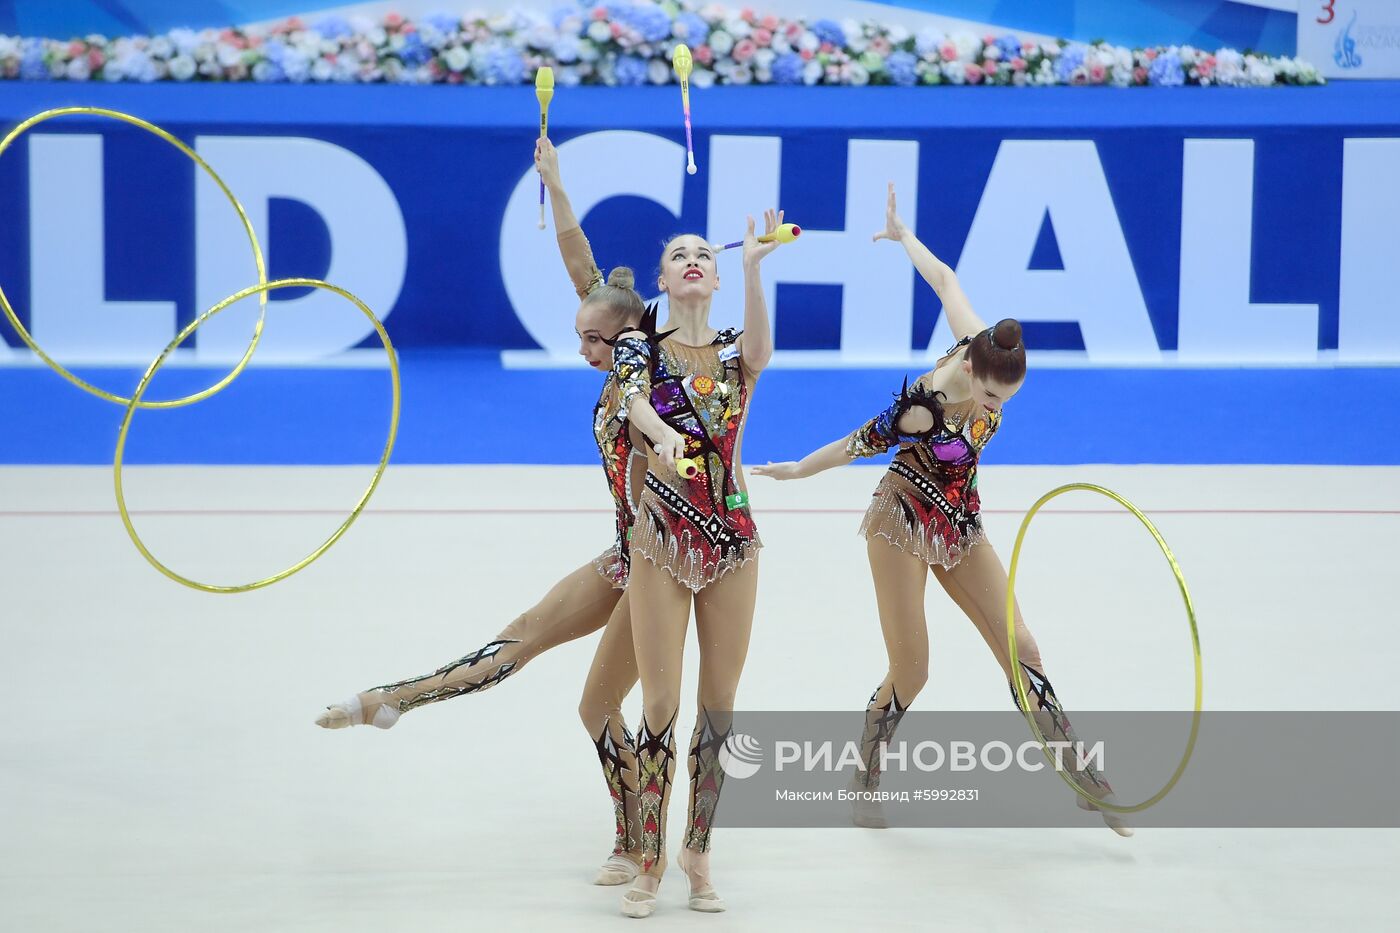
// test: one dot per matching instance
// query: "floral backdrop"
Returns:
(627, 44)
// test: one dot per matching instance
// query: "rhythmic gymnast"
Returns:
(925, 516)
(588, 599)
(689, 390)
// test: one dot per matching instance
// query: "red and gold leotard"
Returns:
(610, 427)
(700, 528)
(927, 502)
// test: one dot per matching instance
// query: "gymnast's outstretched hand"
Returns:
(788, 469)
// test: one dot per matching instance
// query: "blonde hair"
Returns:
(619, 298)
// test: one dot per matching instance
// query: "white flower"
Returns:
(780, 44)
(1189, 55)
(161, 47)
(859, 76)
(741, 75)
(227, 55)
(1261, 73)
(897, 34)
(78, 69)
(763, 59)
(737, 28)
(588, 52)
(113, 71)
(702, 78)
(809, 42)
(812, 72)
(182, 67)
(210, 69)
(658, 72)
(721, 43)
(1050, 49)
(954, 72)
(599, 31)
(567, 76)
(9, 45)
(1308, 73)
(456, 58)
(1018, 78)
(322, 70)
(967, 45)
(262, 71)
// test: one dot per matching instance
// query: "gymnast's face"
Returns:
(988, 393)
(688, 268)
(593, 322)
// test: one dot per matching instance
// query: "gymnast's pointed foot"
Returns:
(361, 709)
(618, 869)
(1113, 821)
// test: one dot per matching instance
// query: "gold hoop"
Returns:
(1015, 658)
(242, 216)
(135, 402)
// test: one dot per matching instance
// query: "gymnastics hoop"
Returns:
(151, 128)
(1015, 658)
(135, 402)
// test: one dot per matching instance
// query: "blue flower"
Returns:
(829, 31)
(444, 23)
(928, 42)
(274, 50)
(502, 64)
(1166, 71)
(631, 71)
(563, 14)
(787, 68)
(1010, 47)
(692, 28)
(414, 52)
(566, 49)
(31, 64)
(334, 27)
(652, 22)
(1071, 57)
(268, 71)
(903, 68)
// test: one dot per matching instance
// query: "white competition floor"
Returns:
(159, 769)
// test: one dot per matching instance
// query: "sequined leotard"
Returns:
(610, 427)
(697, 529)
(927, 502)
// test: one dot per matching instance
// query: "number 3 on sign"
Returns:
(1329, 9)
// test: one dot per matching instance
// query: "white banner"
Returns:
(1350, 38)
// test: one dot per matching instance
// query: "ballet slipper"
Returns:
(704, 899)
(639, 902)
(618, 869)
(1113, 821)
(351, 712)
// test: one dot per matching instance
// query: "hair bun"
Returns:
(622, 277)
(1007, 334)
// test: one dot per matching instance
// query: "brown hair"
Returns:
(668, 241)
(997, 353)
(621, 300)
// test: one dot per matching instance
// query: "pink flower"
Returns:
(392, 20)
(974, 73)
(599, 12)
(743, 51)
(807, 54)
(616, 29)
(1018, 64)
(1096, 74)
(1149, 54)
(762, 38)
(881, 46)
(1027, 47)
(1139, 75)
(794, 31)
(989, 39)
(827, 47)
(703, 54)
(747, 15)
(96, 59)
(989, 66)
(1205, 67)
(770, 22)
(454, 77)
(949, 52)
(75, 48)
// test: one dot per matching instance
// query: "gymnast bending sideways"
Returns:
(924, 518)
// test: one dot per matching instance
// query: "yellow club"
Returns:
(682, 63)
(544, 91)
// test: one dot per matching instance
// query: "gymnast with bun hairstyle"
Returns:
(924, 517)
